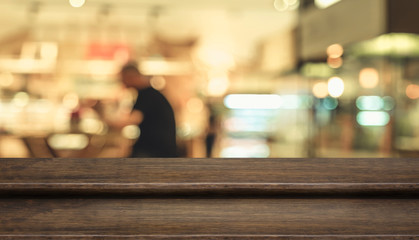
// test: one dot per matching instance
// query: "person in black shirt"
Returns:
(154, 116)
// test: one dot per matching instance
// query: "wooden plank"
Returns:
(209, 217)
(199, 176)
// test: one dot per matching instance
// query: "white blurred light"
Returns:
(325, 3)
(131, 132)
(372, 118)
(320, 90)
(77, 3)
(71, 100)
(370, 103)
(252, 101)
(335, 86)
(21, 99)
(68, 141)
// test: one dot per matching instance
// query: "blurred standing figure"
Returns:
(153, 114)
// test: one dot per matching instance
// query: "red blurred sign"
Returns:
(108, 51)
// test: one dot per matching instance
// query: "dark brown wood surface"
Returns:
(209, 199)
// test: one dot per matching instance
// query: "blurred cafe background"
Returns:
(246, 78)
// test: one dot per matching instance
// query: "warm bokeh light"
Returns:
(195, 105)
(158, 82)
(77, 3)
(320, 90)
(68, 141)
(368, 78)
(49, 50)
(335, 86)
(91, 125)
(412, 91)
(131, 132)
(252, 101)
(334, 51)
(334, 62)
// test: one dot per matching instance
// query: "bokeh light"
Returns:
(77, 3)
(320, 90)
(372, 118)
(131, 132)
(334, 51)
(368, 77)
(335, 86)
(412, 91)
(158, 82)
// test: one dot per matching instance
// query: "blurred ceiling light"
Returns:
(21, 99)
(49, 50)
(158, 82)
(131, 132)
(412, 91)
(195, 105)
(71, 100)
(368, 77)
(252, 101)
(320, 90)
(370, 103)
(325, 3)
(335, 86)
(334, 62)
(68, 141)
(334, 50)
(77, 3)
(218, 86)
(372, 118)
(6, 79)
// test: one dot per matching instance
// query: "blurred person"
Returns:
(152, 113)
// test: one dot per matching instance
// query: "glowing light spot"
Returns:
(195, 105)
(320, 90)
(252, 101)
(375, 118)
(131, 132)
(280, 5)
(335, 62)
(334, 51)
(412, 91)
(335, 86)
(325, 3)
(368, 78)
(158, 82)
(330, 103)
(77, 3)
(68, 141)
(91, 125)
(370, 103)
(21, 99)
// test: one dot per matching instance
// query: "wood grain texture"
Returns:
(210, 216)
(209, 199)
(199, 176)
